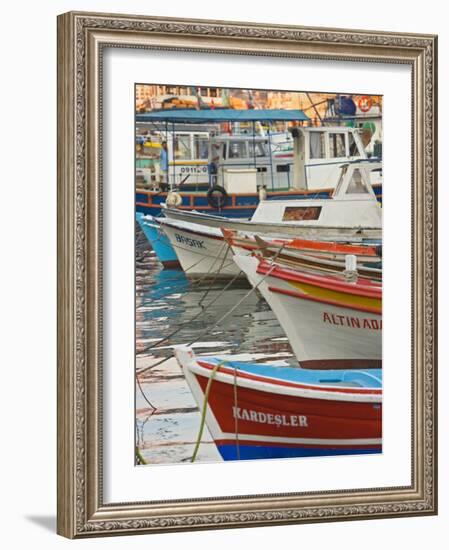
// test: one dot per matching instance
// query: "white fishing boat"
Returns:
(352, 213)
(330, 321)
(201, 251)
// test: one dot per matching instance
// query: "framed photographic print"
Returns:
(247, 311)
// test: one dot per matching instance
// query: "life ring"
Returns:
(365, 103)
(173, 200)
(217, 197)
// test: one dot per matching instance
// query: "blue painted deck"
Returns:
(371, 378)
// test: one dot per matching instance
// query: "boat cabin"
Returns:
(353, 202)
(304, 158)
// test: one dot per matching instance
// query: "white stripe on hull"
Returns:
(357, 396)
(298, 440)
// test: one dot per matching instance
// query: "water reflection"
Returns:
(167, 301)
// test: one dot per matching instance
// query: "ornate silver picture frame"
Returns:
(82, 41)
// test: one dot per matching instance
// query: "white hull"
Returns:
(319, 332)
(281, 229)
(201, 254)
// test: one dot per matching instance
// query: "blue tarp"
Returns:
(365, 378)
(221, 115)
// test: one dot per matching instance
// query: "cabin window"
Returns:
(182, 147)
(237, 150)
(201, 145)
(353, 149)
(337, 145)
(283, 168)
(317, 145)
(299, 213)
(257, 149)
(356, 185)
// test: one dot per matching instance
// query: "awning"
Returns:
(222, 115)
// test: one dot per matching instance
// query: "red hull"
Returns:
(264, 414)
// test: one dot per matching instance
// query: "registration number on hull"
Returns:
(194, 243)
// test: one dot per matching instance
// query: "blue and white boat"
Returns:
(158, 240)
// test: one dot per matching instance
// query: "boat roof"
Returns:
(222, 115)
(362, 378)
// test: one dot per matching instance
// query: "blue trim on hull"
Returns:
(248, 202)
(158, 241)
(253, 452)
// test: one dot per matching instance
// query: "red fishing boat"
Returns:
(265, 411)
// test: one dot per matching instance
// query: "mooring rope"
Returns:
(153, 408)
(203, 412)
(200, 279)
(216, 275)
(189, 321)
(222, 318)
(209, 383)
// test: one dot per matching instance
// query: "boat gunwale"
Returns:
(361, 287)
(226, 374)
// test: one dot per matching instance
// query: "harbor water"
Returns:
(167, 416)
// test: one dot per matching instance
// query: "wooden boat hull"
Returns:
(254, 416)
(321, 256)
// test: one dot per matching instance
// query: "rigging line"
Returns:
(154, 409)
(235, 306)
(203, 412)
(202, 258)
(181, 272)
(217, 257)
(203, 308)
(223, 317)
(216, 275)
(180, 327)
